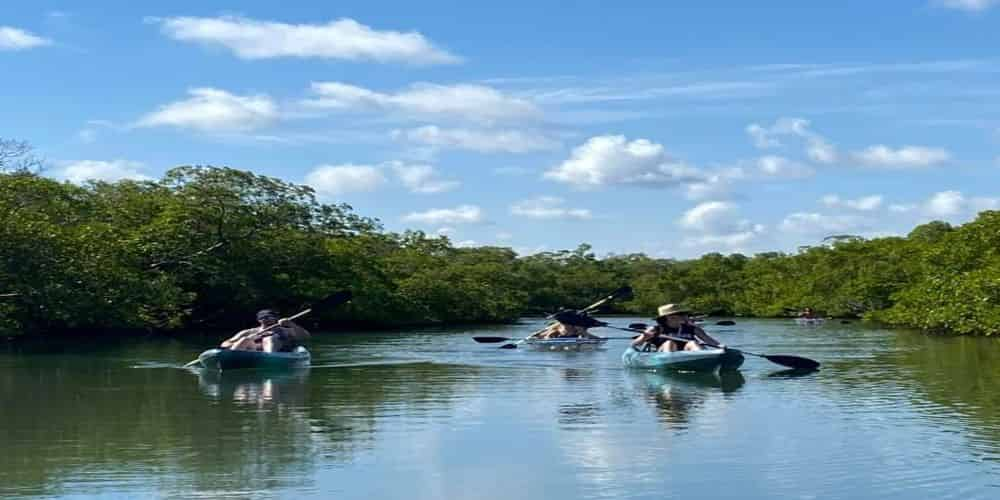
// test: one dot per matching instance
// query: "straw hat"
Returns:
(670, 310)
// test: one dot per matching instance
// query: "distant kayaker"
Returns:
(282, 338)
(674, 321)
(562, 331)
(807, 313)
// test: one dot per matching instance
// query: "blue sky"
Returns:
(672, 129)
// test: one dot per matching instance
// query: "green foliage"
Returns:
(206, 246)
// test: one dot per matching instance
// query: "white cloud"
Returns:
(815, 223)
(817, 147)
(344, 39)
(711, 216)
(548, 207)
(17, 39)
(484, 141)
(864, 204)
(968, 5)
(465, 101)
(339, 179)
(214, 110)
(954, 203)
(776, 166)
(462, 214)
(902, 208)
(422, 178)
(820, 151)
(904, 157)
(612, 159)
(467, 244)
(718, 223)
(445, 230)
(82, 171)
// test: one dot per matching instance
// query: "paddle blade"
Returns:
(509, 346)
(637, 326)
(575, 318)
(797, 362)
(490, 340)
(624, 293)
(725, 322)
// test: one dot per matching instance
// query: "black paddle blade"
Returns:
(638, 326)
(509, 346)
(796, 362)
(574, 318)
(624, 293)
(490, 340)
(725, 322)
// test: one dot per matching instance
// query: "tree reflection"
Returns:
(70, 417)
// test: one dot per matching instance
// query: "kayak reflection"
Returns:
(677, 395)
(254, 387)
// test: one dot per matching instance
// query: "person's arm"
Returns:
(705, 337)
(242, 334)
(645, 337)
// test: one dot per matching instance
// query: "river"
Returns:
(430, 414)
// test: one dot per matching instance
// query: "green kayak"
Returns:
(227, 359)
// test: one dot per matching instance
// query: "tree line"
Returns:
(203, 247)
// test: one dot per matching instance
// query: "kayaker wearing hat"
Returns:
(284, 337)
(673, 320)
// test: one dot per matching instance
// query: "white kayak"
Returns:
(705, 360)
(564, 344)
(809, 321)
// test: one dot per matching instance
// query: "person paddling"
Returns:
(674, 321)
(564, 331)
(807, 313)
(281, 338)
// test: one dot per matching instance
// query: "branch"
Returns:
(186, 258)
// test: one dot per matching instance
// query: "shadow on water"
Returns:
(792, 373)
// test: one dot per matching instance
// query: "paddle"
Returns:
(797, 362)
(329, 301)
(622, 292)
(725, 322)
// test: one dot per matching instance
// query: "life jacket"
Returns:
(685, 331)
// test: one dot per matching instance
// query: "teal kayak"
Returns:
(706, 360)
(228, 359)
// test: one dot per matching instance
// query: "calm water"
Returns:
(431, 414)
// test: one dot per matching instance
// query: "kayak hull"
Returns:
(228, 359)
(809, 321)
(565, 344)
(706, 360)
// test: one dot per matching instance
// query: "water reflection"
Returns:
(256, 388)
(676, 396)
